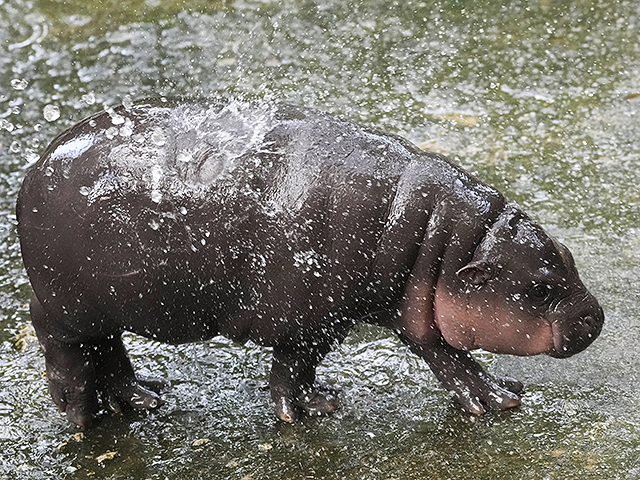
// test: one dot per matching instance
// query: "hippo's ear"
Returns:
(476, 272)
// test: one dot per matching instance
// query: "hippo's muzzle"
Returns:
(575, 323)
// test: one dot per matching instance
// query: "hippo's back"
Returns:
(171, 149)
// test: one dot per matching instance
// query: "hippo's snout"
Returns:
(573, 332)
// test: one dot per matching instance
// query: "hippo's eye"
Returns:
(540, 292)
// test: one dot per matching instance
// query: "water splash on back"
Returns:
(191, 148)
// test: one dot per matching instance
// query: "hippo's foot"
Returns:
(71, 373)
(475, 389)
(82, 377)
(321, 400)
(138, 393)
(117, 384)
(481, 392)
(81, 373)
(72, 387)
(294, 391)
(313, 402)
(80, 395)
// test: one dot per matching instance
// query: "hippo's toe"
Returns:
(320, 401)
(139, 394)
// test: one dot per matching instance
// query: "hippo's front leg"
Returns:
(459, 372)
(293, 386)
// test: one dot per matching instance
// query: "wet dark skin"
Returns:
(180, 220)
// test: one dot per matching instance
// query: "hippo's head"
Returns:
(520, 294)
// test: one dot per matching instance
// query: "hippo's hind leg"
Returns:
(116, 381)
(80, 374)
(293, 387)
(70, 370)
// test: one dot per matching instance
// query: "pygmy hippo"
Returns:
(180, 220)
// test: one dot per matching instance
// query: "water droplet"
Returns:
(156, 174)
(89, 98)
(111, 132)
(5, 124)
(15, 147)
(154, 225)
(37, 127)
(158, 137)
(31, 157)
(184, 157)
(183, 210)
(117, 119)
(84, 190)
(76, 20)
(127, 103)
(48, 171)
(127, 129)
(51, 113)
(156, 196)
(19, 84)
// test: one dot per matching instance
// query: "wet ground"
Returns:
(540, 99)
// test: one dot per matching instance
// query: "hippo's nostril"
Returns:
(589, 322)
